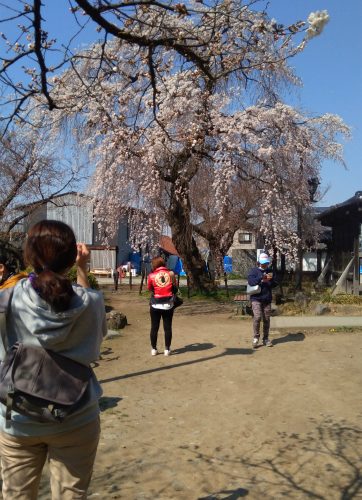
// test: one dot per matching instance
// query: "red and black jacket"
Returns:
(160, 283)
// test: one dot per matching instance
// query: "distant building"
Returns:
(77, 211)
(345, 248)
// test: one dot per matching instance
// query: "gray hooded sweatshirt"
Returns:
(76, 333)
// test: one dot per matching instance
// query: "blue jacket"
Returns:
(255, 278)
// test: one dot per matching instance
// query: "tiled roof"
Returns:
(167, 245)
(336, 214)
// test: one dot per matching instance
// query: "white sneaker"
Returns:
(154, 352)
(167, 352)
(255, 342)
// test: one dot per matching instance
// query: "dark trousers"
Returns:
(156, 315)
(115, 279)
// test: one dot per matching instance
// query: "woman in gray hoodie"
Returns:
(46, 310)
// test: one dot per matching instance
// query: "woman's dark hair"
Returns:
(10, 257)
(157, 262)
(51, 249)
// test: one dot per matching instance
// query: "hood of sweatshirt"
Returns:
(33, 314)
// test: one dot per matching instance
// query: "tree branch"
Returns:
(144, 41)
(39, 54)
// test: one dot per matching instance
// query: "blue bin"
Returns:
(228, 264)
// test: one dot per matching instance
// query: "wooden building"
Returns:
(345, 250)
(76, 210)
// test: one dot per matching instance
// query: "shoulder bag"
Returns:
(177, 301)
(253, 290)
(42, 384)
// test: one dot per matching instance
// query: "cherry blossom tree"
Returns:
(180, 90)
(292, 150)
(217, 224)
(214, 37)
(273, 188)
(151, 161)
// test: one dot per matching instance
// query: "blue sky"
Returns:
(330, 68)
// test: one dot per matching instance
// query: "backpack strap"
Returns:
(9, 403)
(6, 296)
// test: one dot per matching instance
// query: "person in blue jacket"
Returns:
(261, 302)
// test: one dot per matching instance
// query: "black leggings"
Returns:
(156, 315)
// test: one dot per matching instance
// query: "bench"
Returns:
(241, 301)
(101, 273)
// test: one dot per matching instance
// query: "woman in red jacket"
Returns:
(161, 282)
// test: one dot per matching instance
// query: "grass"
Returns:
(219, 295)
(289, 307)
(343, 329)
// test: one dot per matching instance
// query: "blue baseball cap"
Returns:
(264, 258)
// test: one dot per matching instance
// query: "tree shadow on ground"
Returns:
(290, 337)
(106, 351)
(323, 464)
(102, 356)
(204, 308)
(200, 347)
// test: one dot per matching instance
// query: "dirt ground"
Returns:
(218, 420)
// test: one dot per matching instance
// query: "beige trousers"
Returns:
(70, 456)
(261, 312)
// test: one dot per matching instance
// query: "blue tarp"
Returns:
(135, 260)
(174, 263)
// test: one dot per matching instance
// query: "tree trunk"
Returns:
(178, 216)
(217, 257)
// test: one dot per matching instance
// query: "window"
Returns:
(245, 237)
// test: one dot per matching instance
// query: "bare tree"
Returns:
(31, 174)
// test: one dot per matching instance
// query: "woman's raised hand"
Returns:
(83, 255)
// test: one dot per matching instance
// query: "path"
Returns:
(316, 321)
(218, 420)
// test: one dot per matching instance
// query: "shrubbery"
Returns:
(342, 298)
(72, 275)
